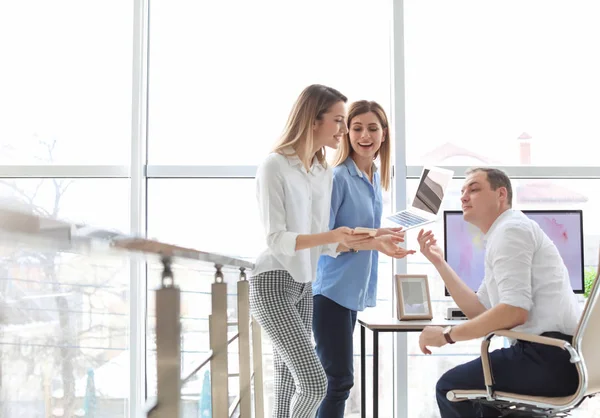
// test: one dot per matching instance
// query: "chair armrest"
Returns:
(532, 338)
(488, 376)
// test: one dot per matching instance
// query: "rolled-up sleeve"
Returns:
(483, 295)
(330, 250)
(271, 204)
(512, 265)
(337, 196)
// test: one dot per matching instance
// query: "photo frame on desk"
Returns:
(412, 297)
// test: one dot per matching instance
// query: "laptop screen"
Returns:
(432, 186)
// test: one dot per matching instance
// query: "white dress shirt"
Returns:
(292, 202)
(523, 268)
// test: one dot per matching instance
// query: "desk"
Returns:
(377, 324)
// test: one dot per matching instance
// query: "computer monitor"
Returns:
(464, 250)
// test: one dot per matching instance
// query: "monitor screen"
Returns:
(464, 249)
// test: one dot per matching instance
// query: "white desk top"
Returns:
(378, 322)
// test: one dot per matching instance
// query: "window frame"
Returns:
(139, 172)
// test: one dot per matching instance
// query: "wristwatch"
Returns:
(352, 250)
(446, 333)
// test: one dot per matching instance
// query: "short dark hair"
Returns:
(496, 178)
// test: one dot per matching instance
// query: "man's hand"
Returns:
(429, 248)
(431, 337)
(387, 244)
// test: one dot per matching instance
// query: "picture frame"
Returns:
(413, 301)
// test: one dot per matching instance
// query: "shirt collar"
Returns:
(354, 170)
(294, 161)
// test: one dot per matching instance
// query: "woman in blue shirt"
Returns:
(348, 283)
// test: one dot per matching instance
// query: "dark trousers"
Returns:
(333, 327)
(525, 368)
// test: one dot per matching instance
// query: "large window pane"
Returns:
(97, 202)
(194, 281)
(214, 215)
(384, 308)
(529, 194)
(538, 194)
(65, 80)
(220, 215)
(507, 83)
(225, 74)
(64, 345)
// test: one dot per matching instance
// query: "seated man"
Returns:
(526, 288)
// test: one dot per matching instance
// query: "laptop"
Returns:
(427, 201)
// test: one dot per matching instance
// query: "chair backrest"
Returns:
(587, 338)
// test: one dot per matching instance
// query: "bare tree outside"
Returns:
(69, 302)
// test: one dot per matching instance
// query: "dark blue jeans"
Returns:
(333, 327)
(525, 368)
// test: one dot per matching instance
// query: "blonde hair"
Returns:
(385, 151)
(314, 101)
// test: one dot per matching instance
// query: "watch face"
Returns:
(447, 329)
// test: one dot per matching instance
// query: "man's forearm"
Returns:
(464, 297)
(499, 317)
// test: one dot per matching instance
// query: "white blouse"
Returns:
(291, 202)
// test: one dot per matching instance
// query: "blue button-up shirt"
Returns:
(350, 279)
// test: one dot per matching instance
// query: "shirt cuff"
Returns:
(518, 301)
(330, 250)
(288, 243)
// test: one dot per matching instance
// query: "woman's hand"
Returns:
(346, 236)
(397, 232)
(387, 244)
(340, 234)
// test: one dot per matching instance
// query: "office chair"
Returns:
(584, 354)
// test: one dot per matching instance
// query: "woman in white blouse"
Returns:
(294, 196)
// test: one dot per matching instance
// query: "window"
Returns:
(65, 317)
(65, 82)
(385, 292)
(221, 215)
(226, 102)
(506, 84)
(97, 202)
(225, 75)
(214, 215)
(538, 194)
(194, 281)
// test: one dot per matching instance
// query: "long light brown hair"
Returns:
(385, 151)
(314, 101)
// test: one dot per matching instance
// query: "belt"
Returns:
(558, 336)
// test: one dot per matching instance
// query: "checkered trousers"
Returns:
(284, 309)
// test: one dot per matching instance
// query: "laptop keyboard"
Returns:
(408, 219)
